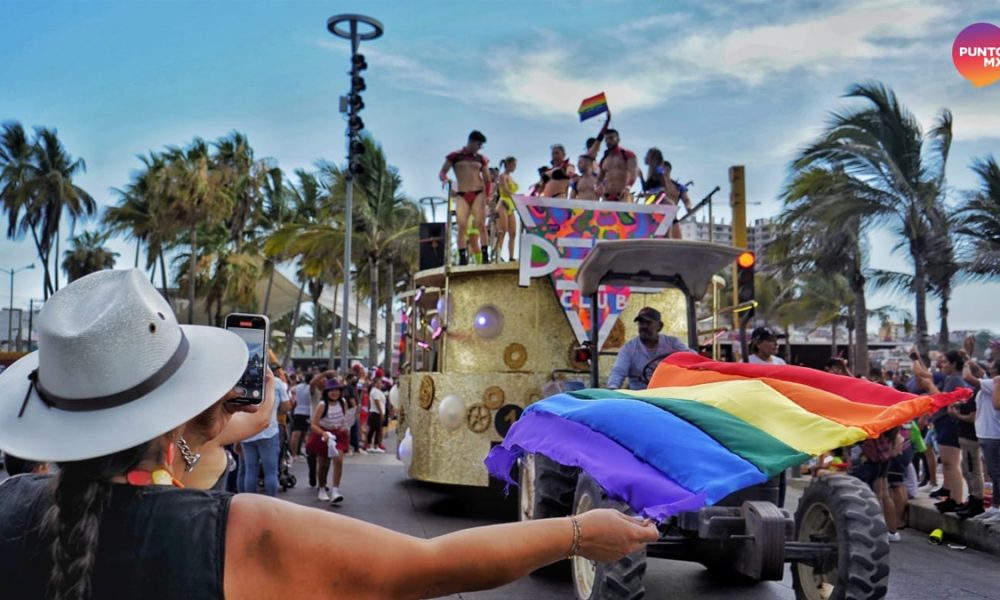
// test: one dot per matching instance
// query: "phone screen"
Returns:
(253, 329)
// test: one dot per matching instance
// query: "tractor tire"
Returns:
(546, 488)
(621, 580)
(842, 510)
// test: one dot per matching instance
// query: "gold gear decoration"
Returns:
(514, 356)
(478, 418)
(616, 339)
(493, 397)
(426, 392)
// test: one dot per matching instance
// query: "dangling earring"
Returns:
(171, 453)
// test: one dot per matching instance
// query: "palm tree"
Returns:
(140, 215)
(88, 255)
(815, 238)
(37, 178)
(979, 221)
(273, 215)
(898, 169)
(383, 216)
(314, 235)
(197, 200)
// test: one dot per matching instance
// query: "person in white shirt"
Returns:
(764, 347)
(301, 411)
(987, 422)
(376, 408)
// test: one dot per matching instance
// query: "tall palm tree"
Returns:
(140, 215)
(37, 178)
(979, 221)
(815, 238)
(197, 199)
(383, 215)
(88, 255)
(314, 235)
(899, 169)
(274, 213)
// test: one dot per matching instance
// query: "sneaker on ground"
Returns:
(378, 450)
(336, 497)
(324, 494)
(362, 451)
(895, 537)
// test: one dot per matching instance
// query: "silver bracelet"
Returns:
(575, 548)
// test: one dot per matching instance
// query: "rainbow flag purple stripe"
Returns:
(593, 106)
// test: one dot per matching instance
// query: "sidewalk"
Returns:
(924, 517)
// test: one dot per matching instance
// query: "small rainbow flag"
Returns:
(593, 106)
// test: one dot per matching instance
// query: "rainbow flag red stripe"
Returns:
(593, 106)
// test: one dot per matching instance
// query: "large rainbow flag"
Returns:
(705, 429)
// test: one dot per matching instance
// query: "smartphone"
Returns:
(254, 330)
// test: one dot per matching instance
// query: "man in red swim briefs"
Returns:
(619, 169)
(474, 186)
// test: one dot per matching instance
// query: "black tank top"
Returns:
(155, 543)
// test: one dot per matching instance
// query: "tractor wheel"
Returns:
(841, 510)
(618, 580)
(546, 488)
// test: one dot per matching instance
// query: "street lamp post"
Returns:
(335, 26)
(10, 311)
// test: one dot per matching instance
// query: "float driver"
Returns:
(474, 186)
(637, 353)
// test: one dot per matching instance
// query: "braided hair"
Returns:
(73, 522)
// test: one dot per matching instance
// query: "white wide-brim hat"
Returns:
(113, 370)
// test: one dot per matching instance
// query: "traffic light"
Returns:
(744, 277)
(355, 125)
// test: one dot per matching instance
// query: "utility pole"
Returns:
(352, 105)
(738, 201)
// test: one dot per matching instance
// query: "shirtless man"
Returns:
(474, 186)
(618, 168)
(559, 175)
(586, 185)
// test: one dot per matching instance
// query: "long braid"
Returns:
(73, 522)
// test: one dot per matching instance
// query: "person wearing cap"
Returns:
(764, 348)
(376, 409)
(331, 419)
(638, 352)
(106, 396)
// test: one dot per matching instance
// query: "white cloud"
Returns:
(861, 32)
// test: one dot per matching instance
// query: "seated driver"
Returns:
(639, 351)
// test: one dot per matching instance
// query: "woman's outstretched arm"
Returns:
(279, 549)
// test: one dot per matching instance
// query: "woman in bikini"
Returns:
(658, 183)
(508, 217)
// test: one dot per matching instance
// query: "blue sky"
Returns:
(710, 83)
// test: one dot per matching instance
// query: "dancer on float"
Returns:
(507, 220)
(658, 182)
(113, 523)
(586, 184)
(472, 188)
(558, 175)
(618, 169)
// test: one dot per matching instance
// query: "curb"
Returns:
(923, 516)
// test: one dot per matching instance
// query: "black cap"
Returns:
(648, 313)
(762, 334)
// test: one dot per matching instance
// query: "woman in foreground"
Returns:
(108, 395)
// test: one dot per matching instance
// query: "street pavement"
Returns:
(376, 490)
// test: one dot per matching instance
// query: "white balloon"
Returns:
(405, 450)
(394, 396)
(451, 411)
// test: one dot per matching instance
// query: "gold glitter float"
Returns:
(426, 391)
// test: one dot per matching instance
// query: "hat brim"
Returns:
(645, 318)
(216, 359)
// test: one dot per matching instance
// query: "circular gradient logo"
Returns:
(976, 53)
